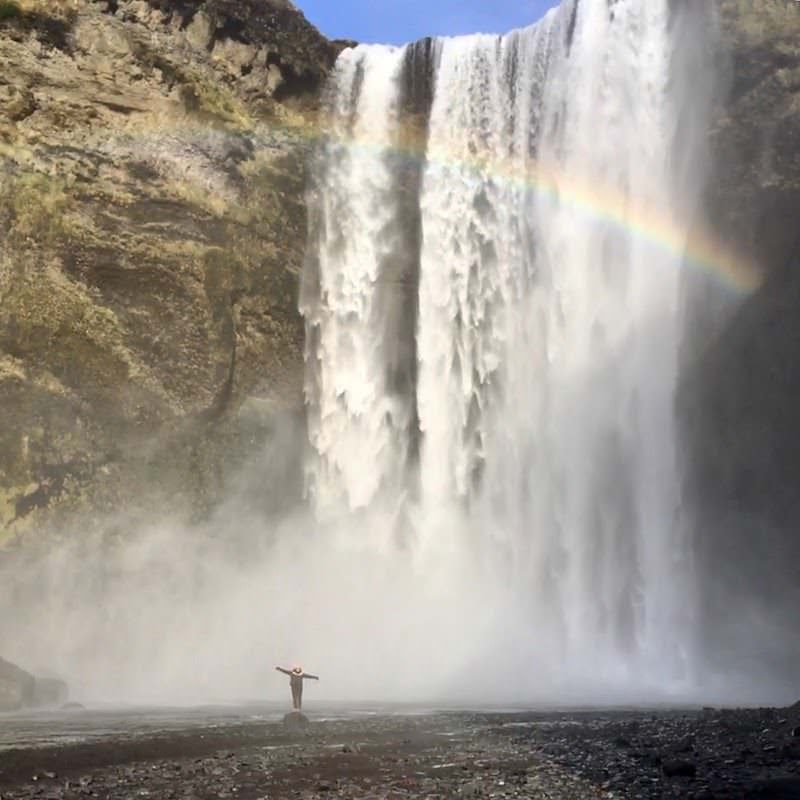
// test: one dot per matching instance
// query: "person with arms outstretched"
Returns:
(296, 678)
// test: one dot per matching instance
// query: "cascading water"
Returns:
(492, 307)
(357, 418)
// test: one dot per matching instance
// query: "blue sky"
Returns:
(400, 21)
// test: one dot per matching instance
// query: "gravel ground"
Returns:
(706, 755)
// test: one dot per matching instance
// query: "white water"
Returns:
(547, 336)
(357, 422)
(490, 378)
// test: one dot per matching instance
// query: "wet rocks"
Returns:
(783, 788)
(705, 755)
(624, 755)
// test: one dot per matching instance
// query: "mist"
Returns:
(165, 613)
(489, 503)
(172, 614)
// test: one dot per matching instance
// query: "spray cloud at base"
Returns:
(494, 495)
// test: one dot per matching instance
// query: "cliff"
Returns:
(152, 171)
(740, 393)
(739, 404)
(754, 193)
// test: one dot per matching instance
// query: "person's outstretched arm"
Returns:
(312, 677)
(284, 671)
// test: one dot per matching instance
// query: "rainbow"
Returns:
(701, 250)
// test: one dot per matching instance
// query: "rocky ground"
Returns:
(619, 754)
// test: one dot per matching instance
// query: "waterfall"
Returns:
(492, 303)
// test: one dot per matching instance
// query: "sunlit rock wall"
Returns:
(152, 171)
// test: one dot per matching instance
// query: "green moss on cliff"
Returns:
(216, 101)
(150, 288)
(754, 22)
(9, 9)
(34, 205)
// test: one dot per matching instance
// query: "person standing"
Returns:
(296, 678)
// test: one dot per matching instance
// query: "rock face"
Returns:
(152, 158)
(738, 405)
(20, 689)
(755, 187)
(17, 687)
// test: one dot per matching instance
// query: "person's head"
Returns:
(297, 670)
